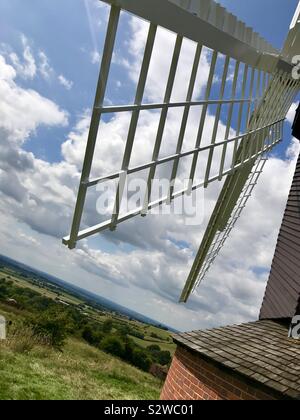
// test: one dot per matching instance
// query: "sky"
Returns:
(50, 53)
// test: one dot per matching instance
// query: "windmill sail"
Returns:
(239, 186)
(249, 89)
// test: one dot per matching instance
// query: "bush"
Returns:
(3, 291)
(91, 336)
(137, 334)
(124, 330)
(107, 326)
(141, 359)
(159, 356)
(156, 336)
(113, 345)
(22, 339)
(164, 358)
(129, 349)
(154, 348)
(53, 324)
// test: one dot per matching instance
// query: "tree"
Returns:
(123, 330)
(91, 336)
(107, 326)
(129, 349)
(154, 348)
(164, 358)
(3, 291)
(113, 345)
(52, 324)
(159, 356)
(156, 336)
(141, 359)
(137, 334)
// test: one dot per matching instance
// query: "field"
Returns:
(79, 370)
(42, 289)
(164, 339)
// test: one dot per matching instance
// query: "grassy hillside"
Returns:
(69, 350)
(80, 372)
(152, 334)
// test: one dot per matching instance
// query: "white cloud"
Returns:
(95, 57)
(233, 290)
(68, 84)
(28, 183)
(160, 63)
(144, 267)
(26, 68)
(44, 66)
(32, 65)
(22, 111)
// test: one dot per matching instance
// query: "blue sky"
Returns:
(271, 18)
(54, 48)
(47, 22)
(64, 31)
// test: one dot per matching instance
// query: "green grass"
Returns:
(171, 347)
(94, 314)
(161, 333)
(80, 372)
(26, 283)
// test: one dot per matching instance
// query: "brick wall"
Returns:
(192, 378)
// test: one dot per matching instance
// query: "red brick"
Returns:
(193, 378)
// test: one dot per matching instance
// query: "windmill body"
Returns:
(282, 297)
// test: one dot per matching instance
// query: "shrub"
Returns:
(91, 336)
(137, 334)
(129, 349)
(113, 345)
(164, 358)
(107, 326)
(3, 291)
(141, 359)
(123, 330)
(159, 356)
(53, 324)
(154, 348)
(22, 339)
(156, 336)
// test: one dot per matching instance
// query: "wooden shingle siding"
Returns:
(282, 297)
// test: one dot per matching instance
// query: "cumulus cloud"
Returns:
(23, 110)
(147, 260)
(233, 290)
(29, 185)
